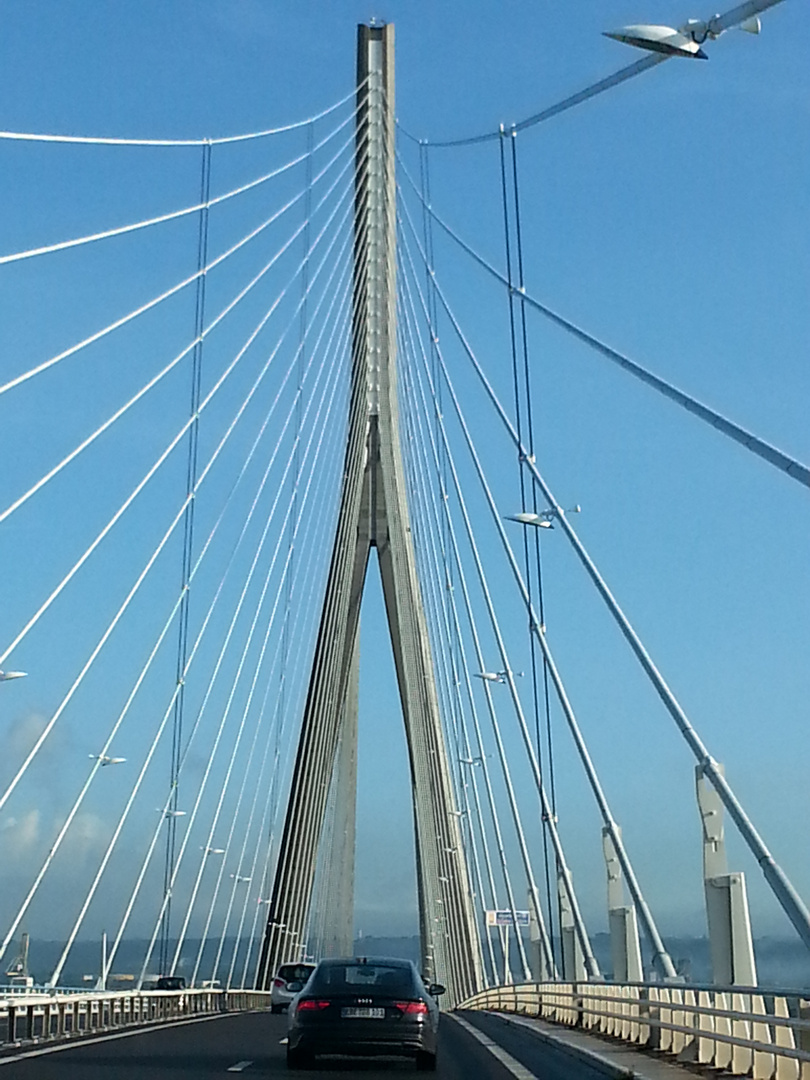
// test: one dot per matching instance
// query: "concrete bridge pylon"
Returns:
(373, 514)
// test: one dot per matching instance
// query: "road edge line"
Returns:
(515, 1067)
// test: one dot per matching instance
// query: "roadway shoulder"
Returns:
(612, 1059)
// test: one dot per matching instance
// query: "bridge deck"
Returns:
(471, 1044)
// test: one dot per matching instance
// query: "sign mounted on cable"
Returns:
(505, 918)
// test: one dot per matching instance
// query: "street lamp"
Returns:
(103, 759)
(660, 39)
(7, 676)
(495, 676)
(686, 41)
(543, 519)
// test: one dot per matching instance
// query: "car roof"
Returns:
(372, 961)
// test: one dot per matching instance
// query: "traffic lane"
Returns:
(461, 1056)
(250, 1043)
(200, 1049)
(542, 1059)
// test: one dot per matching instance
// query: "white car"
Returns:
(280, 993)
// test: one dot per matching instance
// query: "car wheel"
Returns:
(275, 1008)
(425, 1062)
(297, 1058)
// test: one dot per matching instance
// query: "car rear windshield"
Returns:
(356, 978)
(295, 972)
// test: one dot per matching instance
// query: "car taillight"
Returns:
(310, 1006)
(413, 1007)
(279, 983)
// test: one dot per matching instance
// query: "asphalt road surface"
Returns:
(472, 1047)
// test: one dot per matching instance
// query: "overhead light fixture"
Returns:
(662, 39)
(494, 676)
(104, 759)
(541, 520)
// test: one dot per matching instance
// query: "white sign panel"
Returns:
(504, 918)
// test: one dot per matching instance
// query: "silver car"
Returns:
(280, 994)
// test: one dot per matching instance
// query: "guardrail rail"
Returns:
(39, 1016)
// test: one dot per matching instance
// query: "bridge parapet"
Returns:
(741, 1030)
(40, 1016)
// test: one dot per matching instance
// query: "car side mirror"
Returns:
(435, 989)
(295, 986)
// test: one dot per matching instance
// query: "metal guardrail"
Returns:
(36, 1016)
(32, 991)
(738, 1029)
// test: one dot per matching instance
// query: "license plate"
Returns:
(362, 1013)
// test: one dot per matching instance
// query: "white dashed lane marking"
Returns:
(240, 1066)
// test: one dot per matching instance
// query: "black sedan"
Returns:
(364, 1007)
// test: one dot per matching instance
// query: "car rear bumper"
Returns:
(352, 1040)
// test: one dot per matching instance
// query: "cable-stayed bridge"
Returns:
(222, 412)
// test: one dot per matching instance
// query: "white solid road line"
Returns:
(508, 1062)
(240, 1066)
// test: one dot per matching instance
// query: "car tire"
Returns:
(425, 1062)
(275, 1008)
(297, 1058)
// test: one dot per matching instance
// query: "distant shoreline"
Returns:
(782, 963)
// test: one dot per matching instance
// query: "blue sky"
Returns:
(668, 217)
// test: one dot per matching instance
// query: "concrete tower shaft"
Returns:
(374, 513)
